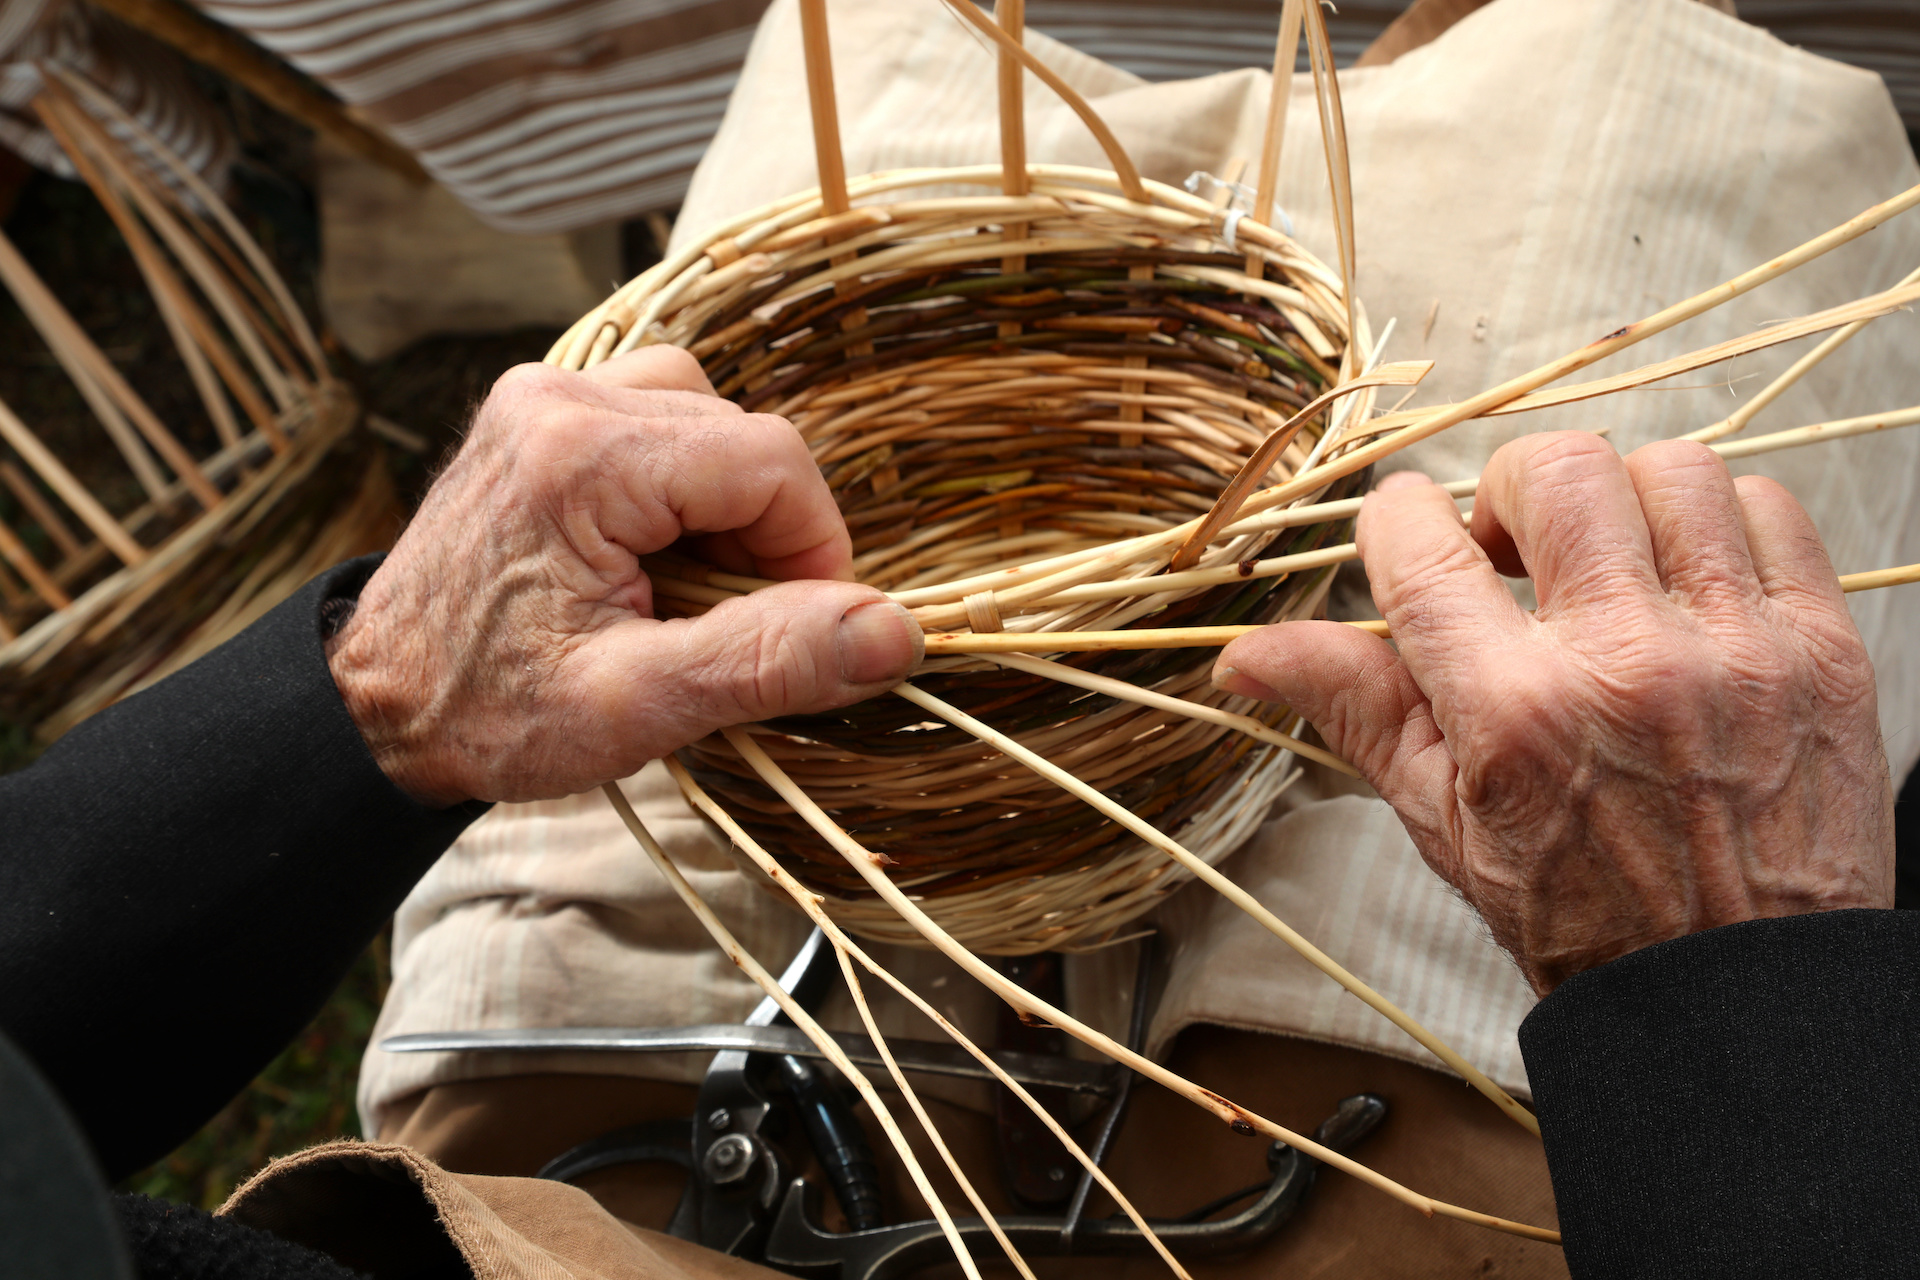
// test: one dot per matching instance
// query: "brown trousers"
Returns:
(462, 1154)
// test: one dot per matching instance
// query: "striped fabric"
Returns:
(552, 115)
(547, 116)
(146, 78)
(1158, 41)
(1880, 35)
(542, 116)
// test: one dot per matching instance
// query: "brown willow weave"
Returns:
(975, 404)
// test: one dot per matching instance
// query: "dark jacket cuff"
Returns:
(188, 874)
(1739, 1102)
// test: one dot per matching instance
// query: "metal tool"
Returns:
(742, 1196)
(800, 1247)
(924, 1057)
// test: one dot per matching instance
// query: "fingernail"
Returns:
(1234, 680)
(1403, 480)
(878, 641)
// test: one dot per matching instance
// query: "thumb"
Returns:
(1354, 689)
(790, 649)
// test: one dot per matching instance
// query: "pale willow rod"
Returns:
(810, 903)
(1797, 437)
(730, 946)
(1041, 579)
(1227, 889)
(1736, 421)
(1000, 642)
(867, 864)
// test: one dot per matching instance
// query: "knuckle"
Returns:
(1417, 578)
(1765, 490)
(677, 367)
(1563, 455)
(1681, 457)
(775, 434)
(557, 437)
(531, 382)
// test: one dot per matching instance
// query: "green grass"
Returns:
(305, 1096)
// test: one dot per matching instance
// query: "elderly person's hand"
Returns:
(1684, 735)
(506, 649)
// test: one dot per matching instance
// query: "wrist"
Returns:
(380, 673)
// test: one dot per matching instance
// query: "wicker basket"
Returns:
(987, 380)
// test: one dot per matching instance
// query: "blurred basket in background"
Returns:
(107, 585)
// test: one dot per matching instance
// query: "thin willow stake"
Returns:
(1116, 154)
(1333, 128)
(291, 318)
(192, 332)
(1874, 305)
(81, 502)
(39, 510)
(1230, 891)
(1072, 568)
(1816, 433)
(1179, 706)
(1011, 15)
(1736, 421)
(17, 555)
(867, 864)
(730, 946)
(1874, 579)
(1619, 340)
(95, 378)
(818, 54)
(927, 1126)
(1280, 92)
(809, 903)
(215, 285)
(1000, 642)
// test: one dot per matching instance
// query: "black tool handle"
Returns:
(838, 1140)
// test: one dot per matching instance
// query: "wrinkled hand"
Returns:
(506, 649)
(1684, 735)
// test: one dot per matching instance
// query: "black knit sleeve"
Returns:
(1738, 1102)
(186, 876)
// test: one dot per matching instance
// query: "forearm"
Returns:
(1738, 1102)
(187, 875)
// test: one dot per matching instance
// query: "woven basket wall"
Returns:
(974, 402)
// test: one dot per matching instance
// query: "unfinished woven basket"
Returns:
(977, 402)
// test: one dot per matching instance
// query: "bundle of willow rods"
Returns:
(970, 417)
(98, 595)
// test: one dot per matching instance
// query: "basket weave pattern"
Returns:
(977, 402)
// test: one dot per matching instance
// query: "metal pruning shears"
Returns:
(744, 1197)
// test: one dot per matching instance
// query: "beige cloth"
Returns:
(1545, 172)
